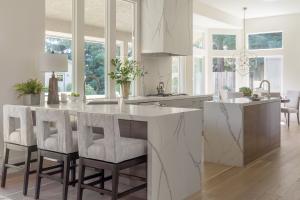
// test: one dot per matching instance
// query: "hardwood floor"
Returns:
(275, 176)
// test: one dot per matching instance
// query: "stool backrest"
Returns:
(293, 96)
(24, 115)
(110, 125)
(61, 118)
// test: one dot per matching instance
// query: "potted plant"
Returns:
(247, 92)
(30, 91)
(125, 72)
(74, 97)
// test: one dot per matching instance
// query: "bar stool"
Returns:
(18, 139)
(113, 153)
(61, 146)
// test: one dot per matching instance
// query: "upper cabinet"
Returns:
(167, 27)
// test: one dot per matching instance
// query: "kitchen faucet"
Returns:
(269, 86)
(84, 82)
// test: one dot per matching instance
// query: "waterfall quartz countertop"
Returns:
(174, 137)
(238, 131)
(142, 99)
(245, 101)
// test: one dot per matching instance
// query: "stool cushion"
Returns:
(15, 137)
(51, 143)
(126, 149)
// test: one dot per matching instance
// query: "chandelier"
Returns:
(245, 61)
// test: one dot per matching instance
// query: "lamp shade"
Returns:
(52, 62)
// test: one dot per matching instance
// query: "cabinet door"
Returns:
(179, 103)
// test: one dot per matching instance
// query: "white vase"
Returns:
(31, 99)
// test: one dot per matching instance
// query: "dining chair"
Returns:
(292, 106)
(113, 153)
(19, 135)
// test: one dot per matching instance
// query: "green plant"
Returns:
(125, 71)
(32, 86)
(246, 91)
(73, 94)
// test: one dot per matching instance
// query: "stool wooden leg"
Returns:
(66, 177)
(26, 170)
(115, 182)
(81, 172)
(73, 172)
(102, 179)
(38, 177)
(4, 168)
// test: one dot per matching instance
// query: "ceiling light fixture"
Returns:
(244, 58)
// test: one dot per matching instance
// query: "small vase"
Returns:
(125, 89)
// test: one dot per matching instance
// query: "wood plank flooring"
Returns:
(275, 176)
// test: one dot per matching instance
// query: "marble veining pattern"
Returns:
(223, 122)
(174, 145)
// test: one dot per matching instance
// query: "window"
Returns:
(198, 75)
(61, 45)
(175, 74)
(223, 64)
(224, 74)
(198, 61)
(125, 12)
(198, 40)
(95, 67)
(265, 40)
(269, 68)
(224, 42)
(58, 42)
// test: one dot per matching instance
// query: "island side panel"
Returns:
(174, 156)
(261, 130)
(223, 133)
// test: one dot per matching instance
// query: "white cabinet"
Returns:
(185, 103)
(167, 26)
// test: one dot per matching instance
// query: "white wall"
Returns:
(157, 68)
(21, 42)
(290, 26)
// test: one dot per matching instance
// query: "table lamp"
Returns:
(52, 62)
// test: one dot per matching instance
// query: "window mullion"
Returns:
(78, 46)
(110, 45)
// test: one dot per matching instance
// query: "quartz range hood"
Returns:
(167, 26)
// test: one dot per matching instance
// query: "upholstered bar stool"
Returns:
(20, 138)
(61, 146)
(113, 153)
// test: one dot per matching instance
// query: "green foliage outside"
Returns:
(32, 86)
(265, 41)
(94, 62)
(224, 42)
(94, 67)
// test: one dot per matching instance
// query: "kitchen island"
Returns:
(174, 144)
(238, 131)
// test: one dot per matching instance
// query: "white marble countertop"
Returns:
(141, 99)
(174, 139)
(117, 109)
(245, 101)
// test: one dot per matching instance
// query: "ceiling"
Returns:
(256, 8)
(94, 12)
(202, 22)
